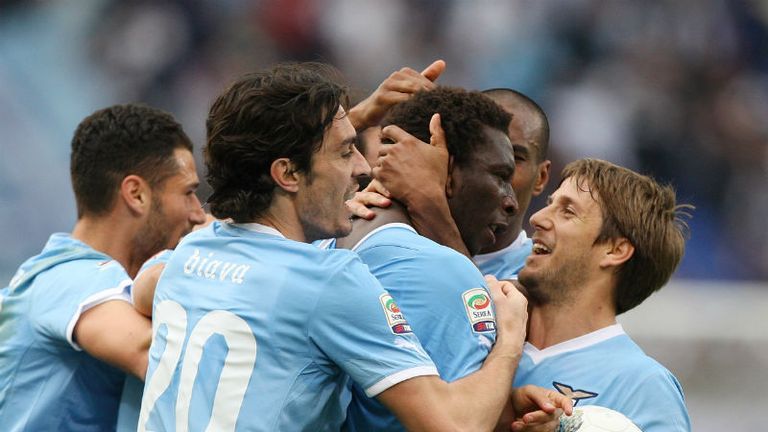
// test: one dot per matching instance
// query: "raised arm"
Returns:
(399, 86)
(476, 401)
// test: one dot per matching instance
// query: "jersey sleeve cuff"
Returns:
(120, 292)
(399, 377)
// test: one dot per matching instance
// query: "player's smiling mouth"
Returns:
(540, 249)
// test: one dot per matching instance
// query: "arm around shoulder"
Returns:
(143, 290)
(116, 333)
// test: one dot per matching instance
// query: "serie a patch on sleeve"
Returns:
(395, 319)
(477, 302)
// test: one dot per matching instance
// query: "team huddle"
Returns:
(305, 304)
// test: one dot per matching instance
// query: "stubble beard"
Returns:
(155, 235)
(319, 222)
(554, 286)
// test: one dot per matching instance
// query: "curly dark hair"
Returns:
(118, 141)
(462, 114)
(278, 113)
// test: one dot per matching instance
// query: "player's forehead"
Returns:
(495, 150)
(184, 159)
(186, 169)
(578, 191)
(524, 127)
(340, 133)
(524, 131)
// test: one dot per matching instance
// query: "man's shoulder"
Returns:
(404, 238)
(83, 273)
(210, 254)
(625, 360)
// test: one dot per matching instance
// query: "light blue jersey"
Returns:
(608, 369)
(130, 401)
(252, 331)
(506, 263)
(445, 299)
(47, 383)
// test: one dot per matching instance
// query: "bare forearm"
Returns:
(479, 399)
(115, 333)
(357, 117)
(473, 403)
(476, 401)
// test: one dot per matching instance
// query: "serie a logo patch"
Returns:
(477, 302)
(395, 319)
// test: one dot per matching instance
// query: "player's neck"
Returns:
(110, 237)
(361, 227)
(555, 323)
(283, 216)
(288, 230)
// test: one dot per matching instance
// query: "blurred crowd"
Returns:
(678, 90)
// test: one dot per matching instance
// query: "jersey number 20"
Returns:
(235, 375)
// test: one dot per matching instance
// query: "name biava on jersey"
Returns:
(479, 309)
(395, 319)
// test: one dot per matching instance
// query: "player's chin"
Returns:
(341, 227)
(344, 227)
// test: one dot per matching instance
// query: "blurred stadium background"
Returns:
(676, 89)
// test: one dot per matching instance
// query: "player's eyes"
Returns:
(348, 151)
(505, 176)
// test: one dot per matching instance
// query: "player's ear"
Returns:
(285, 174)
(136, 193)
(449, 183)
(542, 178)
(617, 252)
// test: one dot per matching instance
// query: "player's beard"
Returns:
(155, 236)
(554, 286)
(327, 216)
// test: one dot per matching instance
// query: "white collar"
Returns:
(381, 228)
(574, 344)
(483, 258)
(257, 227)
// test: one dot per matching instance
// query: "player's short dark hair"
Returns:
(118, 141)
(519, 99)
(643, 211)
(463, 114)
(282, 112)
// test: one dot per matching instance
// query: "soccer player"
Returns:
(607, 239)
(256, 329)
(440, 291)
(68, 332)
(365, 117)
(565, 316)
(529, 133)
(407, 164)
